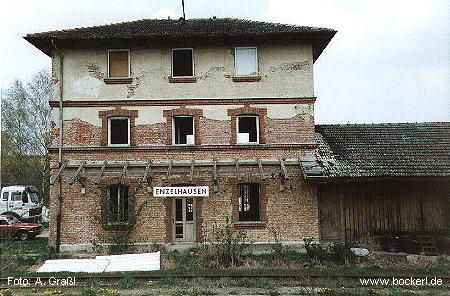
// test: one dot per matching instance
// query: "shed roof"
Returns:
(385, 150)
(202, 28)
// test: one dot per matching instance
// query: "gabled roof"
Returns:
(168, 29)
(385, 150)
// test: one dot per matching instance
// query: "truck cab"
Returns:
(22, 202)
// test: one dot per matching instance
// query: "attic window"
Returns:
(118, 131)
(246, 61)
(183, 130)
(182, 62)
(118, 63)
(248, 129)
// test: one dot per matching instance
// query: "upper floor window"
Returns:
(249, 208)
(118, 131)
(183, 130)
(118, 63)
(247, 129)
(182, 62)
(246, 61)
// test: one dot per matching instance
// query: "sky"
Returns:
(389, 61)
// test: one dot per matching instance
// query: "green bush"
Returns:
(127, 283)
(315, 252)
(341, 251)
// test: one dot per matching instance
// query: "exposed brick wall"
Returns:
(151, 134)
(80, 133)
(290, 210)
(298, 129)
(215, 131)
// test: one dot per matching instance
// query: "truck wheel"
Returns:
(23, 236)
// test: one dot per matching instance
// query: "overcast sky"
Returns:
(389, 61)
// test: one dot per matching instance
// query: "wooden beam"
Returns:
(58, 173)
(124, 171)
(169, 171)
(283, 169)
(215, 175)
(191, 173)
(102, 171)
(238, 171)
(147, 172)
(260, 168)
(77, 173)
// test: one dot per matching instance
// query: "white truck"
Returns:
(22, 202)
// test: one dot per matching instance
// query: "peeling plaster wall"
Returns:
(287, 123)
(286, 71)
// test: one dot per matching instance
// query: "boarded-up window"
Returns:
(248, 129)
(182, 63)
(246, 61)
(117, 203)
(118, 131)
(118, 63)
(249, 202)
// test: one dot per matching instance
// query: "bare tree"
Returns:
(26, 132)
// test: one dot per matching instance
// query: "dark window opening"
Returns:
(24, 197)
(249, 202)
(247, 125)
(5, 196)
(118, 131)
(118, 64)
(184, 130)
(189, 209)
(182, 65)
(117, 203)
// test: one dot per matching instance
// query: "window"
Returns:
(118, 63)
(245, 61)
(3, 222)
(24, 197)
(5, 196)
(16, 196)
(183, 130)
(182, 62)
(118, 131)
(117, 203)
(249, 202)
(247, 129)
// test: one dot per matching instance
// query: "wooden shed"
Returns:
(383, 178)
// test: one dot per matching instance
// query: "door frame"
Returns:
(184, 222)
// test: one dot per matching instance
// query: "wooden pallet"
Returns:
(428, 245)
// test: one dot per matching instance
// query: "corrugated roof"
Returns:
(385, 150)
(169, 29)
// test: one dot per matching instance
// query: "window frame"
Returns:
(109, 131)
(173, 129)
(120, 187)
(238, 117)
(193, 65)
(129, 63)
(256, 61)
(240, 202)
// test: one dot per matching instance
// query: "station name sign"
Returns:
(187, 191)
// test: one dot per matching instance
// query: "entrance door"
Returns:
(184, 217)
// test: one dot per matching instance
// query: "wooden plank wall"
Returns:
(371, 207)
